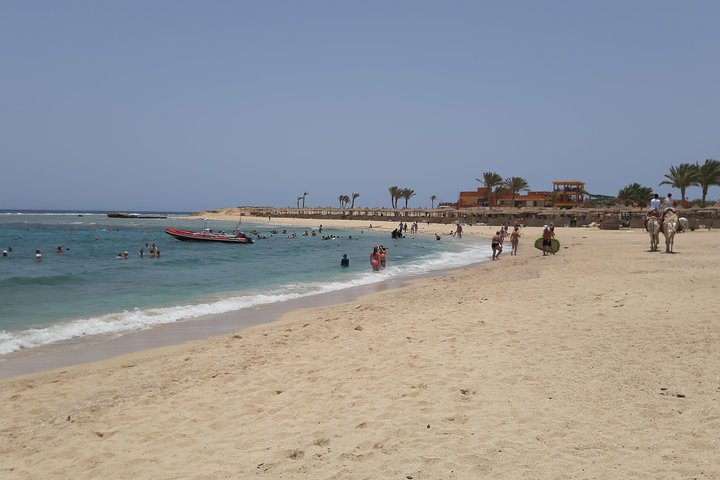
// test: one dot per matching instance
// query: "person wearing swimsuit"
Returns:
(496, 245)
(375, 259)
(514, 240)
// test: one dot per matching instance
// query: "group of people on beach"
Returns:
(402, 229)
(548, 234)
(499, 238)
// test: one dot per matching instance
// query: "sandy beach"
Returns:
(600, 362)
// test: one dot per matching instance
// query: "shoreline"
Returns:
(101, 348)
(93, 348)
(601, 361)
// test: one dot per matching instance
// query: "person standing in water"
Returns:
(496, 244)
(382, 252)
(375, 259)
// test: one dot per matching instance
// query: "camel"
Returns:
(652, 225)
(669, 228)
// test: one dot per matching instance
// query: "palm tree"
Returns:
(708, 174)
(515, 185)
(303, 198)
(683, 176)
(354, 196)
(343, 200)
(634, 194)
(432, 201)
(406, 193)
(298, 200)
(490, 180)
(394, 195)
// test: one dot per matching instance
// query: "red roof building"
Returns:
(482, 197)
(565, 193)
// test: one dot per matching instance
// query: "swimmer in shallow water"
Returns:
(375, 259)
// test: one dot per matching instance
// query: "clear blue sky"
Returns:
(190, 105)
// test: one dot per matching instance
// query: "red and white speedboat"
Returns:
(207, 235)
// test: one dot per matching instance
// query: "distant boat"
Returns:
(133, 215)
(207, 235)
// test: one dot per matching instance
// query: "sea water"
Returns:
(86, 290)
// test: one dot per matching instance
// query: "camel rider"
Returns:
(655, 210)
(668, 201)
(655, 204)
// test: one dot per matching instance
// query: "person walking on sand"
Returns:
(547, 236)
(514, 240)
(503, 234)
(496, 244)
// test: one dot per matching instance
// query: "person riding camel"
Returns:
(666, 205)
(655, 209)
(655, 203)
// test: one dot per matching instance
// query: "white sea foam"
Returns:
(124, 322)
(53, 214)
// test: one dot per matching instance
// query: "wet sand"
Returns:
(99, 347)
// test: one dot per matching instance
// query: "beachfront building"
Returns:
(483, 197)
(528, 199)
(569, 193)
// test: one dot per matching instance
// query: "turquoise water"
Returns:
(86, 290)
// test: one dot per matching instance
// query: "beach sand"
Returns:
(600, 362)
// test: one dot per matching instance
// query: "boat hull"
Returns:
(186, 235)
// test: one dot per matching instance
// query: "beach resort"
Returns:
(602, 361)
